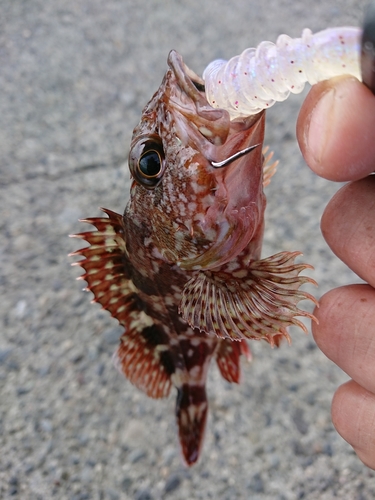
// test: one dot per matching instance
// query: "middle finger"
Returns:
(348, 225)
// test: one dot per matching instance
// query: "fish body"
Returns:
(181, 269)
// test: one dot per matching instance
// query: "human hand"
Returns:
(336, 133)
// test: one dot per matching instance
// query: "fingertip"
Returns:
(348, 226)
(336, 129)
(352, 414)
(323, 334)
(345, 333)
(341, 411)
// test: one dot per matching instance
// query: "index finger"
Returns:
(336, 129)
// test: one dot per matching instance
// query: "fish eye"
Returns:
(150, 164)
(146, 160)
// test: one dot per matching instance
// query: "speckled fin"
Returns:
(142, 355)
(260, 305)
(269, 166)
(228, 358)
(191, 414)
(144, 358)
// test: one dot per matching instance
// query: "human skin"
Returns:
(336, 134)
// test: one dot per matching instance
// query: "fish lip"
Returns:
(207, 128)
(193, 119)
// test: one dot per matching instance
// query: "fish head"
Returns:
(198, 216)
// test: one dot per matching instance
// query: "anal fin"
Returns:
(144, 357)
(228, 358)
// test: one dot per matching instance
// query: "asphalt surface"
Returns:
(74, 76)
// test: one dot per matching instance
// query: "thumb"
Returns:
(336, 129)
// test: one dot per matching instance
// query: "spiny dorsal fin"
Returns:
(259, 305)
(143, 354)
(106, 265)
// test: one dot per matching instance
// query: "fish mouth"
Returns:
(237, 211)
(209, 129)
(229, 154)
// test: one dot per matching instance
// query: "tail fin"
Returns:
(191, 413)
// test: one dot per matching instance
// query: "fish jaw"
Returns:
(235, 215)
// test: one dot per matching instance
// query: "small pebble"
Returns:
(172, 483)
(22, 390)
(100, 369)
(81, 496)
(143, 494)
(43, 370)
(46, 425)
(87, 475)
(4, 354)
(126, 484)
(75, 459)
(112, 494)
(257, 484)
(328, 450)
(299, 420)
(21, 309)
(136, 455)
(28, 468)
(168, 455)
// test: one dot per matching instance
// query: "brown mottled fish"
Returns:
(181, 269)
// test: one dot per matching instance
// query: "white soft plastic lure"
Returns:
(257, 78)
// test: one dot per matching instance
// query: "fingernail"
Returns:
(319, 129)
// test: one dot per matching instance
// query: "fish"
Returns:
(181, 269)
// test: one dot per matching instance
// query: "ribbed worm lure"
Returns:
(257, 78)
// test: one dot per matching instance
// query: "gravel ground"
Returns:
(74, 76)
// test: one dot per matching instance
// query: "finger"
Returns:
(348, 225)
(346, 331)
(336, 129)
(353, 415)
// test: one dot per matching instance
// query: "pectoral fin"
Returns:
(259, 305)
